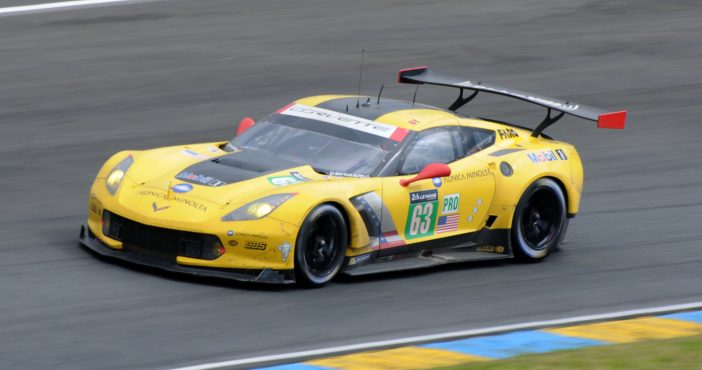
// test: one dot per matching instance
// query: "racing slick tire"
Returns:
(321, 245)
(539, 221)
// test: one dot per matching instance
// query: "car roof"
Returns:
(403, 114)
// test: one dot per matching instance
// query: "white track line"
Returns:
(63, 4)
(292, 356)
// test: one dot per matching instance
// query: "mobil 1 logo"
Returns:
(421, 217)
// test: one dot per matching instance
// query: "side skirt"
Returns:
(485, 244)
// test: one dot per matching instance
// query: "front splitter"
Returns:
(89, 240)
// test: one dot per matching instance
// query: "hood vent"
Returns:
(234, 167)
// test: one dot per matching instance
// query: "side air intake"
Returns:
(491, 220)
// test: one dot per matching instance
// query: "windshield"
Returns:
(332, 144)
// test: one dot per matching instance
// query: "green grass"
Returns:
(672, 354)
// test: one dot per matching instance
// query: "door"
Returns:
(472, 180)
(427, 211)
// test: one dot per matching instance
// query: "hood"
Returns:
(233, 167)
(201, 181)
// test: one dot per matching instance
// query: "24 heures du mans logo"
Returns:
(423, 196)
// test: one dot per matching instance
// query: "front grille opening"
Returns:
(491, 220)
(159, 243)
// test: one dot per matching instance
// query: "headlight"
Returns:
(258, 208)
(117, 174)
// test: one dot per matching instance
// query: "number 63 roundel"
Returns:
(421, 217)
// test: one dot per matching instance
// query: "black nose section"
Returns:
(234, 167)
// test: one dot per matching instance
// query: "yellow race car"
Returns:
(351, 184)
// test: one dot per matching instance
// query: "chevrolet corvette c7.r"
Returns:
(350, 184)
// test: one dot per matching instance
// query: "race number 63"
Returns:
(420, 220)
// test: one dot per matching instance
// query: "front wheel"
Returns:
(320, 247)
(540, 221)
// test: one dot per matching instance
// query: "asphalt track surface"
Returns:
(81, 84)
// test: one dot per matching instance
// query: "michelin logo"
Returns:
(284, 250)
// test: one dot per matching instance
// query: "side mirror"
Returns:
(244, 125)
(429, 172)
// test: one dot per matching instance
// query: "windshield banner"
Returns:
(340, 119)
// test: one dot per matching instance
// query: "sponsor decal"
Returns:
(256, 245)
(255, 236)
(95, 204)
(193, 154)
(201, 179)
(437, 181)
(450, 204)
(233, 243)
(94, 208)
(346, 174)
(182, 188)
(230, 232)
(447, 223)
(340, 119)
(156, 208)
(490, 249)
(423, 196)
(298, 176)
(284, 250)
(547, 156)
(421, 216)
(561, 105)
(188, 202)
(507, 133)
(463, 176)
(359, 259)
(213, 149)
(284, 180)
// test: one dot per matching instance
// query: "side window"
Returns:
(474, 140)
(433, 146)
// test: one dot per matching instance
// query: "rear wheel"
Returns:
(540, 221)
(321, 243)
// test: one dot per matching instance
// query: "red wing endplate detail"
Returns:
(604, 119)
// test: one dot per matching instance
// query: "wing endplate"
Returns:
(604, 119)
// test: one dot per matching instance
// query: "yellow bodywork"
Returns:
(145, 194)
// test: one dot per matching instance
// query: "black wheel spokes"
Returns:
(321, 251)
(539, 219)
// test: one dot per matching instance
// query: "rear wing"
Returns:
(604, 119)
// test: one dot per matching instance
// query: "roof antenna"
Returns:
(360, 76)
(415, 94)
(347, 107)
(380, 93)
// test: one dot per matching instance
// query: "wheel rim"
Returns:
(540, 219)
(321, 247)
